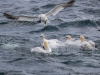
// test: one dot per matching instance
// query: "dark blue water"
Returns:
(17, 38)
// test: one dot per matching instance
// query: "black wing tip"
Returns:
(5, 14)
(71, 2)
(10, 16)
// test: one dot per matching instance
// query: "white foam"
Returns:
(10, 45)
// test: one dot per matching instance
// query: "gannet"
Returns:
(45, 49)
(69, 40)
(87, 44)
(53, 43)
(84, 44)
(43, 17)
(91, 43)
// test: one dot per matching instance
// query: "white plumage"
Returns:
(69, 40)
(53, 43)
(87, 44)
(26, 18)
(45, 49)
(54, 11)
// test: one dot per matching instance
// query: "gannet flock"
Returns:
(48, 45)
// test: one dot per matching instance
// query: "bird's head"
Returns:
(69, 37)
(82, 38)
(42, 36)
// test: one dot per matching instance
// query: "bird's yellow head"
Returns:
(69, 37)
(82, 38)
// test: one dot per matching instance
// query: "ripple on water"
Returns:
(73, 62)
(48, 6)
(3, 23)
(50, 28)
(10, 46)
(82, 23)
(46, 28)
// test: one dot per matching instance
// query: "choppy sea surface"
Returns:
(17, 38)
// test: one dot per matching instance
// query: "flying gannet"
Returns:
(43, 17)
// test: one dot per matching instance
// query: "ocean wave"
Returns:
(50, 28)
(82, 23)
(11, 42)
(48, 6)
(46, 28)
(3, 23)
(73, 62)
(16, 59)
(10, 45)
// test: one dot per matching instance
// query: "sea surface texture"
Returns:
(17, 38)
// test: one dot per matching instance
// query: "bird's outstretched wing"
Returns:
(59, 7)
(20, 18)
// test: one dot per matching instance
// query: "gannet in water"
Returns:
(91, 43)
(43, 17)
(53, 43)
(69, 40)
(87, 44)
(45, 49)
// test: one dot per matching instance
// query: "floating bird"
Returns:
(43, 17)
(45, 49)
(84, 44)
(87, 44)
(91, 43)
(69, 40)
(53, 43)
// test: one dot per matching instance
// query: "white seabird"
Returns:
(69, 40)
(45, 49)
(53, 43)
(87, 44)
(43, 17)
